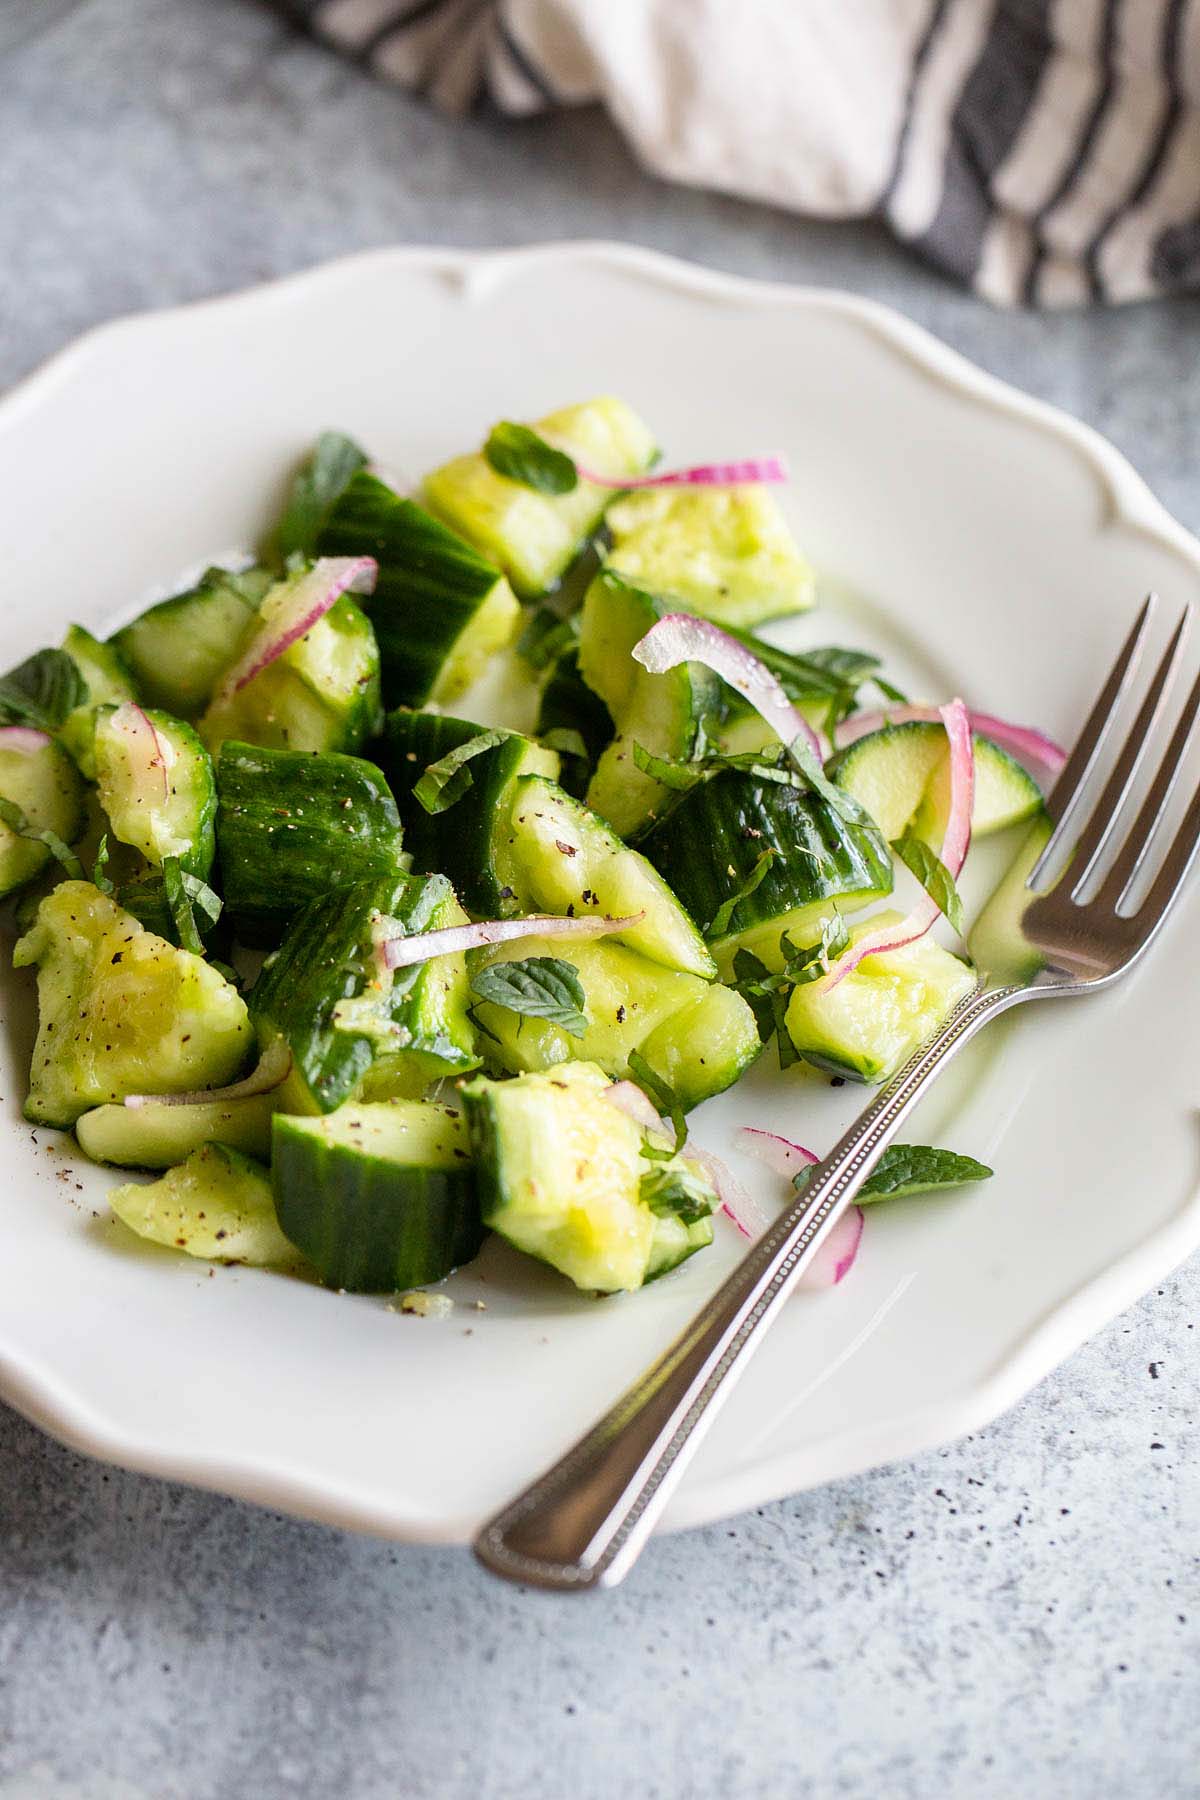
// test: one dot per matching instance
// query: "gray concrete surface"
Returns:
(1014, 1615)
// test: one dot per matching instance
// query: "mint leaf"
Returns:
(519, 453)
(919, 1169)
(100, 877)
(448, 779)
(720, 921)
(323, 477)
(838, 802)
(16, 820)
(545, 637)
(812, 961)
(540, 987)
(675, 1189)
(41, 691)
(896, 695)
(932, 874)
(663, 1095)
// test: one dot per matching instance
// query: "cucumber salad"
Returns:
(360, 978)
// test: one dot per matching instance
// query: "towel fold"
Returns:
(1044, 151)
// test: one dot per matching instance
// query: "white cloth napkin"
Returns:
(1046, 151)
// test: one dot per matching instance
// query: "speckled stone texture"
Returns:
(1017, 1614)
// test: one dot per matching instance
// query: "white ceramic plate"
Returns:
(985, 543)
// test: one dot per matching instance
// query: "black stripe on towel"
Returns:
(995, 103)
(525, 66)
(415, 13)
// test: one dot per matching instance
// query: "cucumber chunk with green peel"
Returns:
(698, 1036)
(673, 1242)
(378, 1197)
(901, 773)
(109, 681)
(440, 611)
(156, 784)
(322, 693)
(725, 553)
(562, 1176)
(177, 649)
(293, 824)
(467, 840)
(568, 706)
(784, 850)
(535, 536)
(44, 785)
(665, 714)
(881, 1012)
(562, 858)
(217, 1206)
(344, 1017)
(997, 943)
(121, 1011)
(159, 1135)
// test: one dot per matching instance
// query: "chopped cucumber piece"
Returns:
(560, 1173)
(217, 1205)
(439, 610)
(881, 1012)
(177, 649)
(378, 1197)
(535, 536)
(321, 694)
(121, 1010)
(160, 1135)
(726, 553)
(699, 1036)
(710, 847)
(44, 784)
(344, 1017)
(568, 705)
(467, 840)
(109, 681)
(900, 774)
(156, 784)
(665, 714)
(293, 824)
(561, 858)
(997, 943)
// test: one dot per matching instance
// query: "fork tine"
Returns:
(1082, 760)
(1133, 851)
(1107, 810)
(1168, 883)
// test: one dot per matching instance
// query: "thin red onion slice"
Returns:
(23, 738)
(679, 638)
(274, 1067)
(307, 603)
(835, 1258)
(955, 844)
(628, 1098)
(756, 470)
(736, 1202)
(779, 1153)
(1031, 747)
(403, 952)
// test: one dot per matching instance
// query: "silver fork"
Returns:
(583, 1523)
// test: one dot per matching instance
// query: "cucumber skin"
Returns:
(727, 822)
(461, 842)
(367, 1224)
(174, 670)
(430, 584)
(568, 704)
(327, 956)
(291, 825)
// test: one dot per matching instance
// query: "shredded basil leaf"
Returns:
(41, 691)
(894, 694)
(540, 987)
(519, 453)
(663, 1095)
(680, 776)
(185, 895)
(906, 1169)
(448, 779)
(16, 820)
(546, 636)
(719, 923)
(669, 1189)
(326, 473)
(811, 961)
(766, 994)
(100, 877)
(932, 874)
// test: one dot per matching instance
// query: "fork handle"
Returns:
(583, 1523)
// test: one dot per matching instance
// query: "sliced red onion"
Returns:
(628, 1098)
(23, 738)
(679, 638)
(274, 1067)
(835, 1258)
(147, 752)
(753, 469)
(1031, 747)
(779, 1153)
(955, 844)
(309, 599)
(403, 952)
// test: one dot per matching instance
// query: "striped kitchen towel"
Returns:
(1045, 151)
